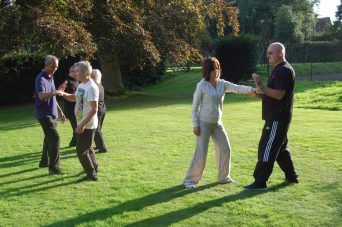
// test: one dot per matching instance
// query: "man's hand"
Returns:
(58, 93)
(62, 117)
(80, 128)
(196, 131)
(257, 79)
(63, 86)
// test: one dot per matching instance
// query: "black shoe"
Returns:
(43, 165)
(102, 151)
(292, 180)
(56, 172)
(88, 178)
(256, 186)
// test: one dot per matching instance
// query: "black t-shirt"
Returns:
(282, 78)
(71, 88)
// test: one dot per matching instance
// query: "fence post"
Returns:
(310, 56)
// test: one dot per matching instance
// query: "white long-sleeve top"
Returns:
(208, 100)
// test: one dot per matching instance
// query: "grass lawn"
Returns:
(305, 69)
(150, 141)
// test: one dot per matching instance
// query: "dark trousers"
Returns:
(86, 153)
(99, 142)
(50, 154)
(70, 114)
(273, 147)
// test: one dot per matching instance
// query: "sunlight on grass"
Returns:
(308, 68)
(150, 143)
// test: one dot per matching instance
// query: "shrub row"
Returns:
(238, 57)
(18, 74)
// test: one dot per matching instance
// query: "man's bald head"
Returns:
(276, 53)
(278, 47)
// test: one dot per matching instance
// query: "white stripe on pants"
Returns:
(222, 148)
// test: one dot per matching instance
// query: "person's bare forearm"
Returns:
(273, 93)
(59, 108)
(69, 97)
(47, 95)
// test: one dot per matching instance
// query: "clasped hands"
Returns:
(258, 86)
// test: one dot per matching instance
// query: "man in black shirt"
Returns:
(277, 105)
(70, 86)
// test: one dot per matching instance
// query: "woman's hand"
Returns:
(196, 131)
(252, 93)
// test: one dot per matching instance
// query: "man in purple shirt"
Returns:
(46, 112)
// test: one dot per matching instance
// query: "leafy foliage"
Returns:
(258, 17)
(136, 31)
(237, 56)
(45, 27)
(287, 27)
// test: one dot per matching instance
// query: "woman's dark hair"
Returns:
(208, 66)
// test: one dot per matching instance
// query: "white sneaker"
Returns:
(189, 185)
(228, 180)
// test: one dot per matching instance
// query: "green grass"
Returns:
(150, 141)
(305, 69)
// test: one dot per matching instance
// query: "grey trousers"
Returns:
(222, 148)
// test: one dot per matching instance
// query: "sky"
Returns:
(327, 8)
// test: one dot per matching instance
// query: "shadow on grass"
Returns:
(18, 191)
(17, 118)
(158, 198)
(18, 172)
(17, 160)
(22, 179)
(179, 215)
(162, 196)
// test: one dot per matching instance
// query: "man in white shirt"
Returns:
(86, 97)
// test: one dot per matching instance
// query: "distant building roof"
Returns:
(322, 24)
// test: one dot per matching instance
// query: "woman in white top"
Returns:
(207, 122)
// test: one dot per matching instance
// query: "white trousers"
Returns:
(222, 148)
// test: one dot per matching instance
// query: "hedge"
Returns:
(18, 74)
(238, 57)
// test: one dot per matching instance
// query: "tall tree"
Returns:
(337, 27)
(116, 31)
(258, 17)
(287, 29)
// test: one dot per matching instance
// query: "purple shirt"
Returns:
(48, 107)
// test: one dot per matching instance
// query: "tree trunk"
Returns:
(112, 79)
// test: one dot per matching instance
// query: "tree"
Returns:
(336, 29)
(48, 26)
(287, 28)
(118, 32)
(339, 13)
(258, 17)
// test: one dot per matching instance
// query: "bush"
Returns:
(314, 52)
(237, 57)
(18, 74)
(139, 77)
